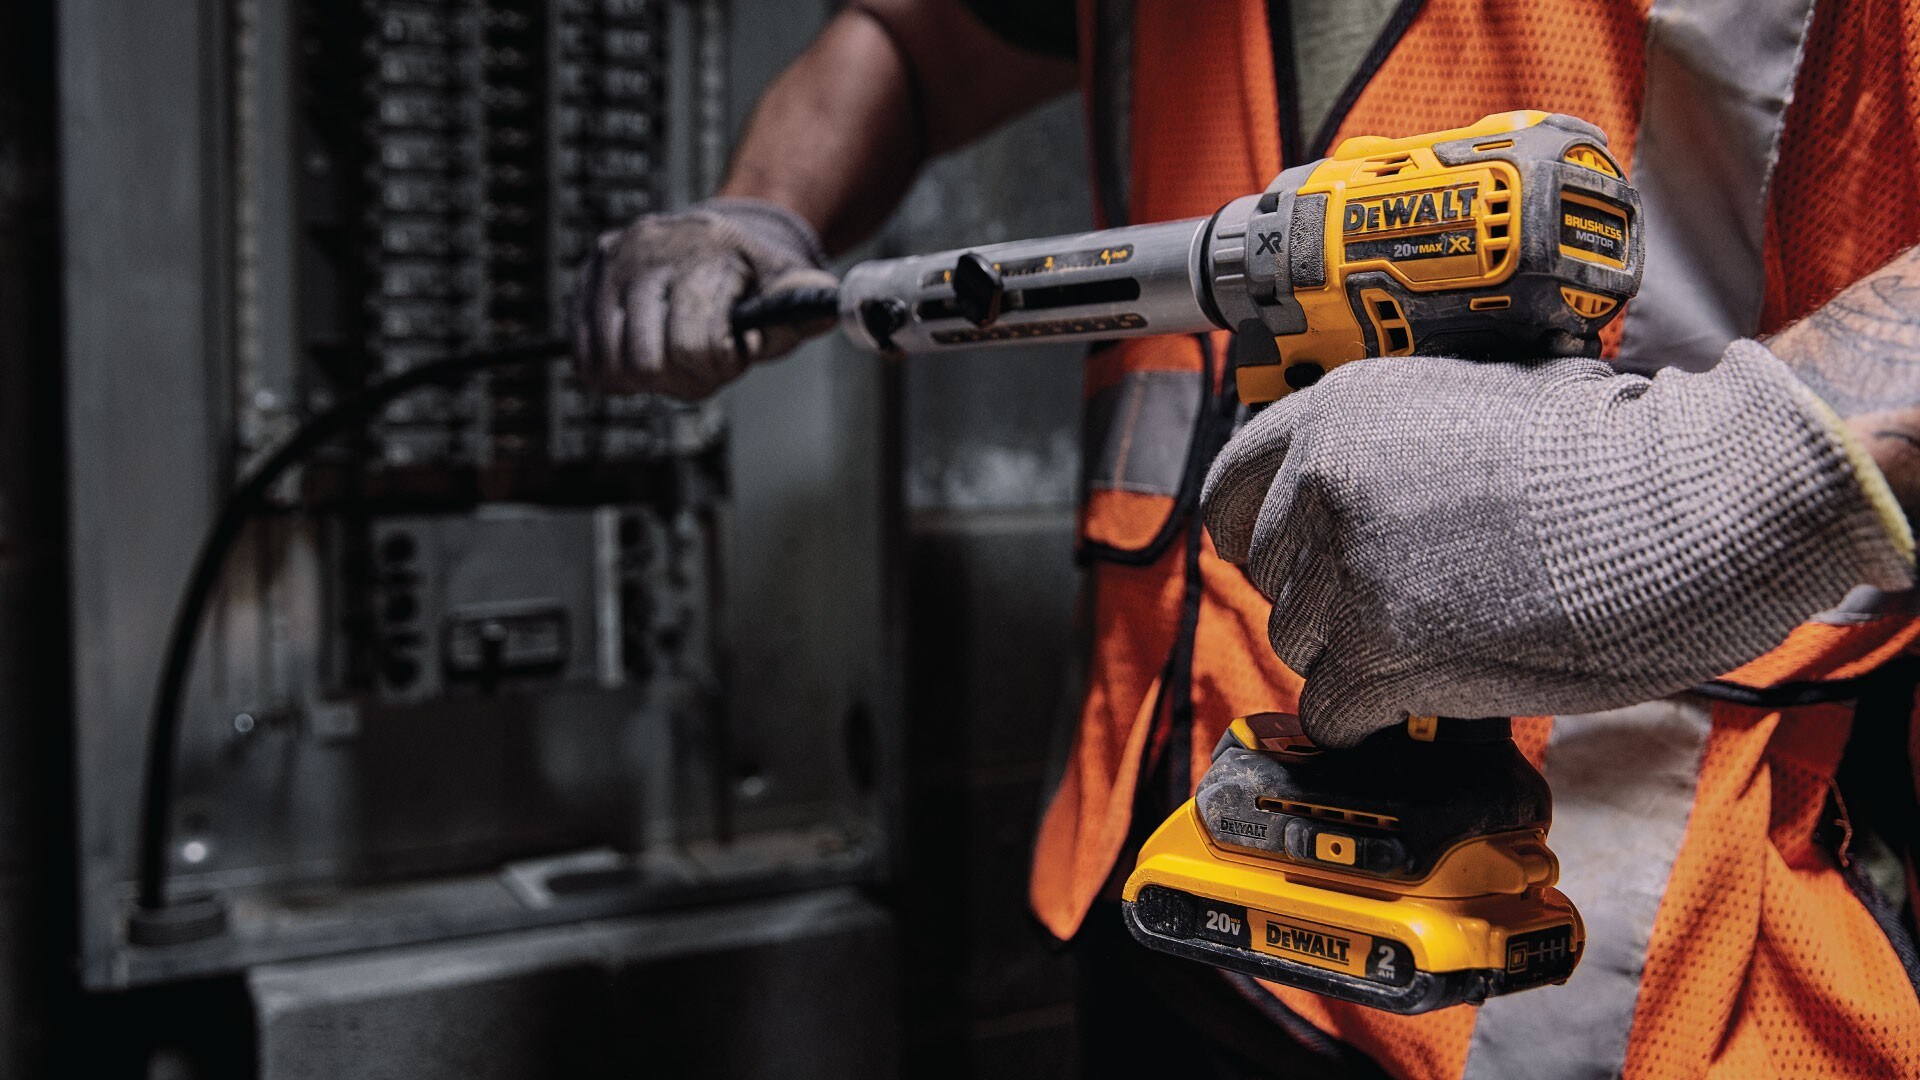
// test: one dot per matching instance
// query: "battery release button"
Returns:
(1332, 847)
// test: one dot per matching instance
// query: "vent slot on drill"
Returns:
(1591, 157)
(1586, 304)
(1389, 165)
(1392, 335)
(1345, 816)
(1496, 227)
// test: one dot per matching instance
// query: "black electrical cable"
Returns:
(793, 307)
(797, 307)
(156, 816)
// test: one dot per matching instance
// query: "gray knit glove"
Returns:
(1453, 538)
(653, 305)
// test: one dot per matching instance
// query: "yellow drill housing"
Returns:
(1514, 236)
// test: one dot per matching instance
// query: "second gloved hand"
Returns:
(653, 306)
(1446, 537)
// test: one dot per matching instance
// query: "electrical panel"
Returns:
(456, 161)
(471, 674)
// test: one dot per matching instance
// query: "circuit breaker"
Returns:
(458, 158)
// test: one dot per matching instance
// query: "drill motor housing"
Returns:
(1514, 238)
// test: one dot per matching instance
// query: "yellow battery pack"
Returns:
(1409, 874)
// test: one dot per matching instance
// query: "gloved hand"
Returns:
(652, 308)
(1445, 537)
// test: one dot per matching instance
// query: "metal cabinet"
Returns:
(477, 670)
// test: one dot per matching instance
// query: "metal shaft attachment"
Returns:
(1129, 282)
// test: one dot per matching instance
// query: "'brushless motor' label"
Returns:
(1591, 229)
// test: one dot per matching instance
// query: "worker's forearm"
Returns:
(840, 134)
(1861, 353)
(834, 138)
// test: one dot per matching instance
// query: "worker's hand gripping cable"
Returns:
(653, 311)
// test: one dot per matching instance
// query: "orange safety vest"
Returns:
(1775, 144)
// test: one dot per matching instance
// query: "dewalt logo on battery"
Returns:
(1295, 939)
(1250, 829)
(1319, 945)
(1409, 209)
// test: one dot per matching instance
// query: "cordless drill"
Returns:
(1411, 872)
(1515, 237)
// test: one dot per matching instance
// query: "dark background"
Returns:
(934, 503)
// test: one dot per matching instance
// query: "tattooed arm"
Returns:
(1861, 353)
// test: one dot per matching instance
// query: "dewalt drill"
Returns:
(1515, 237)
(1412, 872)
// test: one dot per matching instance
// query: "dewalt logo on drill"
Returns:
(1409, 209)
(1412, 210)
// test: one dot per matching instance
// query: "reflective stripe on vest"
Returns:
(1719, 77)
(1616, 840)
(1138, 432)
